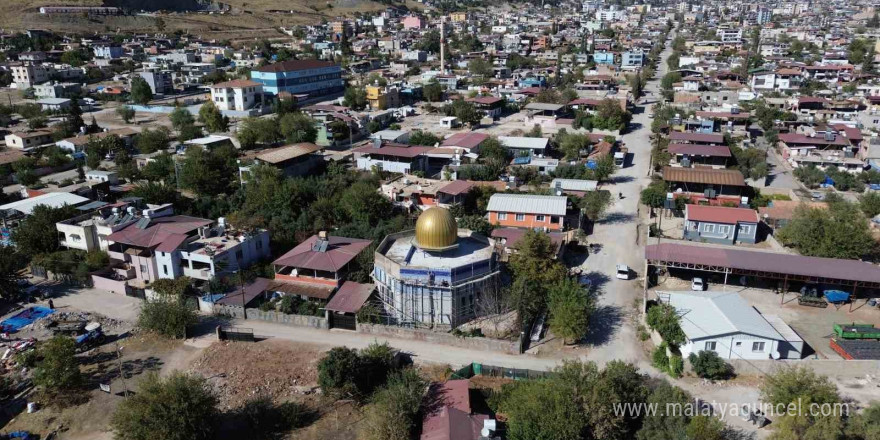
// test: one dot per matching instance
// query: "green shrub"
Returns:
(708, 365)
(659, 359)
(676, 366)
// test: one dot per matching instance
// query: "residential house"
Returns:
(724, 323)
(528, 211)
(689, 155)
(696, 138)
(293, 160)
(525, 146)
(451, 415)
(160, 82)
(779, 213)
(29, 74)
(705, 185)
(315, 268)
(720, 224)
(238, 95)
(573, 187)
(383, 97)
(77, 144)
(28, 139)
(395, 158)
(57, 90)
(469, 141)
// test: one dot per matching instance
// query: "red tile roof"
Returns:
(802, 139)
(451, 418)
(721, 214)
(340, 251)
(704, 176)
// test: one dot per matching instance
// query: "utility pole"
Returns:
(121, 373)
(241, 286)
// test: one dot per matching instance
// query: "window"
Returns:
(692, 225)
(709, 227)
(520, 217)
(165, 269)
(539, 218)
(739, 343)
(757, 346)
(143, 268)
(746, 229)
(710, 345)
(722, 229)
(502, 216)
(555, 220)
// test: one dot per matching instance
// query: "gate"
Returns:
(343, 321)
(135, 292)
(235, 334)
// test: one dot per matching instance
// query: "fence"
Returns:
(276, 317)
(235, 334)
(477, 369)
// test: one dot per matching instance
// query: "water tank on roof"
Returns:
(830, 136)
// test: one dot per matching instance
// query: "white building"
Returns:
(239, 95)
(724, 323)
(26, 75)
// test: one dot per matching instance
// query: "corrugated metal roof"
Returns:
(287, 152)
(712, 314)
(52, 200)
(700, 150)
(575, 184)
(772, 262)
(528, 204)
(524, 142)
(697, 137)
(350, 297)
(703, 175)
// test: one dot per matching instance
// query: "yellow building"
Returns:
(458, 16)
(377, 98)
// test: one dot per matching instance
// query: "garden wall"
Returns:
(432, 337)
(276, 317)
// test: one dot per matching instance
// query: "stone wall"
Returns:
(825, 367)
(433, 337)
(276, 317)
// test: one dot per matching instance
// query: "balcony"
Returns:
(200, 274)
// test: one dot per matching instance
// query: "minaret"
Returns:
(442, 45)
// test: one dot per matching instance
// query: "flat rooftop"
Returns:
(470, 250)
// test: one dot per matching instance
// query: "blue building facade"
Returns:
(604, 58)
(300, 77)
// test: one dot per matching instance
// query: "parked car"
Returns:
(622, 272)
(697, 284)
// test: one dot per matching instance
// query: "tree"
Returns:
(788, 384)
(36, 122)
(58, 372)
(355, 98)
(570, 307)
(465, 111)
(253, 131)
(297, 127)
(480, 67)
(37, 234)
(214, 121)
(159, 169)
(534, 269)
(535, 132)
(708, 365)
(126, 113)
(838, 231)
(665, 320)
(573, 145)
(432, 91)
(611, 116)
(99, 147)
(810, 175)
(546, 409)
(476, 223)
(73, 57)
(869, 203)
(11, 265)
(208, 172)
(179, 407)
(654, 195)
(594, 204)
(152, 140)
(189, 132)
(181, 117)
(393, 412)
(141, 93)
(169, 314)
(422, 137)
(337, 369)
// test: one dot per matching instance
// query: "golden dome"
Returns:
(436, 230)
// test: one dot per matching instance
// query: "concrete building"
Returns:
(433, 276)
(305, 78)
(27, 75)
(293, 160)
(109, 52)
(160, 82)
(724, 323)
(238, 95)
(28, 139)
(396, 158)
(632, 60)
(57, 90)
(382, 98)
(54, 104)
(720, 224)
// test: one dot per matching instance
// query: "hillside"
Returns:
(248, 19)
